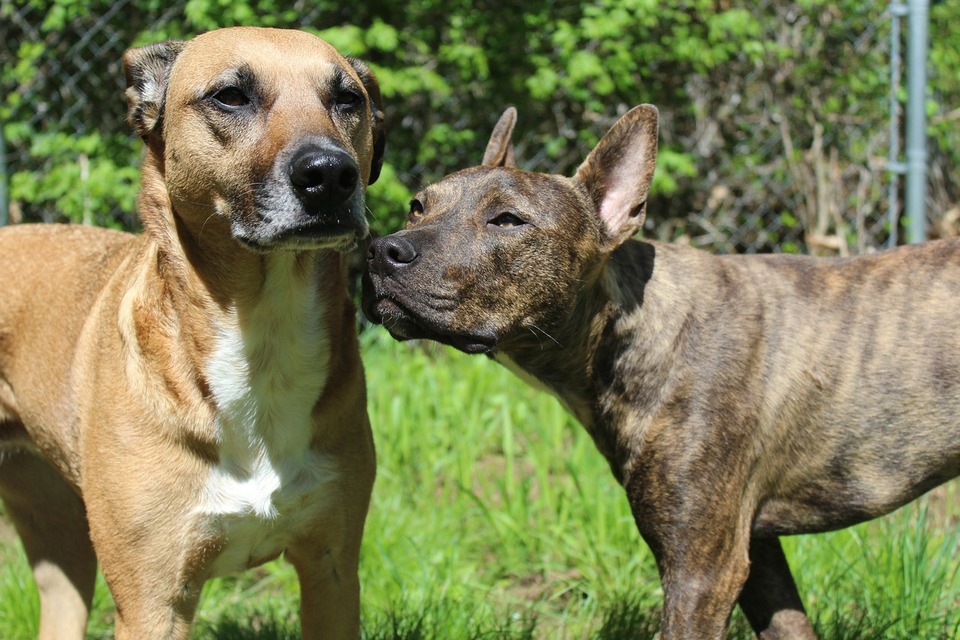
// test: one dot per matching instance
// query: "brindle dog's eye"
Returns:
(507, 220)
(231, 98)
(416, 211)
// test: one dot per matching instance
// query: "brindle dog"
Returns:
(737, 398)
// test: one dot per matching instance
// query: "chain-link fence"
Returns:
(776, 166)
(772, 172)
(74, 85)
(78, 80)
(818, 172)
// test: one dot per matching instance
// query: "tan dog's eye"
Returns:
(231, 98)
(507, 220)
(416, 211)
(348, 99)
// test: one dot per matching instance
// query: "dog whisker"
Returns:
(204, 225)
(534, 329)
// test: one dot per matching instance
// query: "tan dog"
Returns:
(737, 398)
(195, 393)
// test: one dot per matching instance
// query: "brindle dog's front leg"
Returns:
(700, 590)
(700, 538)
(769, 598)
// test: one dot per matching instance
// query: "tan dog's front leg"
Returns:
(52, 523)
(162, 621)
(769, 598)
(153, 582)
(143, 613)
(329, 592)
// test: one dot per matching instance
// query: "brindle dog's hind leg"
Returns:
(769, 597)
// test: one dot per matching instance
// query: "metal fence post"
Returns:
(916, 191)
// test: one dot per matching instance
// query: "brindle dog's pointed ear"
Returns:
(376, 112)
(618, 172)
(147, 70)
(499, 152)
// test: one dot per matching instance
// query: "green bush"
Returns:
(759, 101)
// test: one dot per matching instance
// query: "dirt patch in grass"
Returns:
(942, 510)
(559, 587)
(7, 533)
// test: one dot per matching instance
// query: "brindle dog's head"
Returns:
(492, 253)
(270, 133)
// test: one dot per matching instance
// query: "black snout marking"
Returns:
(391, 253)
(323, 178)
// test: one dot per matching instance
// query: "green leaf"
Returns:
(382, 37)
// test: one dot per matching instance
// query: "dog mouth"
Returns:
(404, 323)
(306, 236)
(279, 217)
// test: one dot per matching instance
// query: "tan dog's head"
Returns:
(270, 131)
(493, 254)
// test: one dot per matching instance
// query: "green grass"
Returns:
(494, 517)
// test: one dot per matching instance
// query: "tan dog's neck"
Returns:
(212, 285)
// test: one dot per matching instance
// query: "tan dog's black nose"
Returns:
(390, 253)
(323, 178)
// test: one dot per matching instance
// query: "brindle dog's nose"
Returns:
(390, 253)
(323, 178)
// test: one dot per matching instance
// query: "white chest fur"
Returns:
(268, 368)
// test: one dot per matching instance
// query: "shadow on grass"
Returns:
(623, 620)
(258, 626)
(852, 624)
(441, 621)
(634, 620)
(627, 619)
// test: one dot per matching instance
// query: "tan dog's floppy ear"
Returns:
(376, 112)
(147, 70)
(618, 172)
(499, 152)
